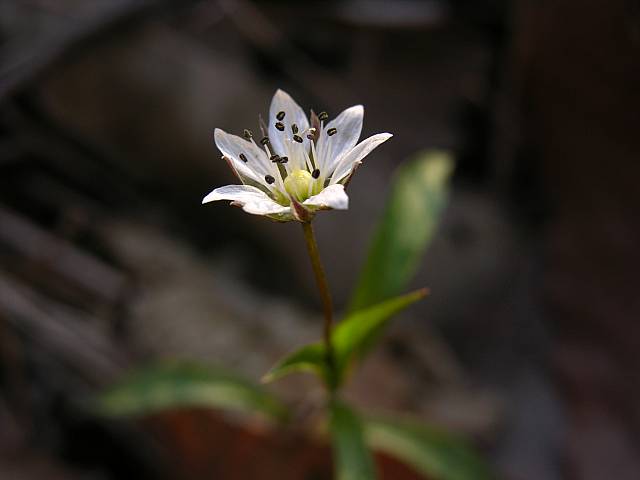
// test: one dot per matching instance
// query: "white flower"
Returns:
(299, 168)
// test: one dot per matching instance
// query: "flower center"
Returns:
(300, 185)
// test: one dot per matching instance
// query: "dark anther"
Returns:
(284, 159)
(280, 126)
(315, 173)
(247, 134)
(310, 136)
(243, 157)
(294, 128)
(269, 179)
(297, 138)
(323, 116)
(264, 140)
(332, 131)
(274, 158)
(280, 116)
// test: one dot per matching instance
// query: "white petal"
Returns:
(356, 154)
(332, 197)
(282, 102)
(257, 164)
(252, 199)
(330, 148)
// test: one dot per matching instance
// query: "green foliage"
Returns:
(418, 195)
(352, 459)
(351, 340)
(178, 384)
(310, 358)
(435, 453)
(355, 335)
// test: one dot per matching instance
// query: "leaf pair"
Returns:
(182, 384)
(429, 451)
(351, 339)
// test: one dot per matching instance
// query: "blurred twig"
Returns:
(68, 268)
(26, 66)
(260, 32)
(60, 331)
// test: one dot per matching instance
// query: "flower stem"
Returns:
(327, 304)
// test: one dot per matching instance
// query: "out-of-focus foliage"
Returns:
(352, 458)
(172, 385)
(435, 453)
(351, 340)
(418, 195)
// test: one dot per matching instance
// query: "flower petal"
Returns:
(330, 149)
(251, 199)
(282, 102)
(346, 164)
(332, 197)
(257, 164)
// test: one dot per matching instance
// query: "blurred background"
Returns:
(529, 341)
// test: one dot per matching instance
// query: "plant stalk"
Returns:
(325, 295)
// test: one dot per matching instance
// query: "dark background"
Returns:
(529, 341)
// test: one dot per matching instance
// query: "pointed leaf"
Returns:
(428, 450)
(356, 333)
(352, 459)
(310, 358)
(172, 385)
(418, 196)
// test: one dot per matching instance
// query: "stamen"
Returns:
(311, 133)
(247, 134)
(280, 126)
(274, 158)
(332, 131)
(243, 157)
(264, 141)
(297, 138)
(280, 116)
(294, 128)
(315, 173)
(269, 179)
(284, 159)
(323, 116)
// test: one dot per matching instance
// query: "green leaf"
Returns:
(418, 195)
(428, 450)
(352, 459)
(310, 358)
(352, 337)
(179, 384)
(356, 333)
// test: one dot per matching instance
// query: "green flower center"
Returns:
(301, 185)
